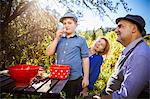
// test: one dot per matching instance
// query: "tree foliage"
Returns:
(24, 26)
(27, 30)
(26, 35)
(99, 7)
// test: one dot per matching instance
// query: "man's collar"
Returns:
(131, 45)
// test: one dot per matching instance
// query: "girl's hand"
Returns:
(97, 97)
(84, 92)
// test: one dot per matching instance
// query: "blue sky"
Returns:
(139, 7)
(91, 21)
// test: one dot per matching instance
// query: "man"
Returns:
(71, 50)
(131, 77)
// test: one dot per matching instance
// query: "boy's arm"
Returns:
(52, 47)
(85, 81)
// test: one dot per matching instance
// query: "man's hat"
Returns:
(68, 15)
(136, 19)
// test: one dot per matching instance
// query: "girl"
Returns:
(99, 48)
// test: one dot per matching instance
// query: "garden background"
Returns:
(27, 30)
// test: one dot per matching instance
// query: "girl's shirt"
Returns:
(94, 70)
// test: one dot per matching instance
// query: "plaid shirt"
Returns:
(70, 51)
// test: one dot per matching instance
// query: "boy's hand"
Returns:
(60, 32)
(85, 82)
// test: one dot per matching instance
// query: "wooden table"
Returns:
(48, 87)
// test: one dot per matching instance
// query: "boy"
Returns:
(71, 50)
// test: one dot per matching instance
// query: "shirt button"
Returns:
(62, 60)
(66, 43)
(64, 51)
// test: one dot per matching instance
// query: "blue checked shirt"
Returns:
(70, 51)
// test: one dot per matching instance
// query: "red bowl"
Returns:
(23, 73)
(59, 71)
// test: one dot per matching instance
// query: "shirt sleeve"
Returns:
(135, 78)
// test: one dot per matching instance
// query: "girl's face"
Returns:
(100, 45)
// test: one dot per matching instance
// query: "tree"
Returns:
(100, 7)
(10, 9)
(24, 28)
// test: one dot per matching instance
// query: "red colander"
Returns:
(23, 73)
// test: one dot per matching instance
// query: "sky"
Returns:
(139, 7)
(91, 21)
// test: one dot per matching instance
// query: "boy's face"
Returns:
(69, 26)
